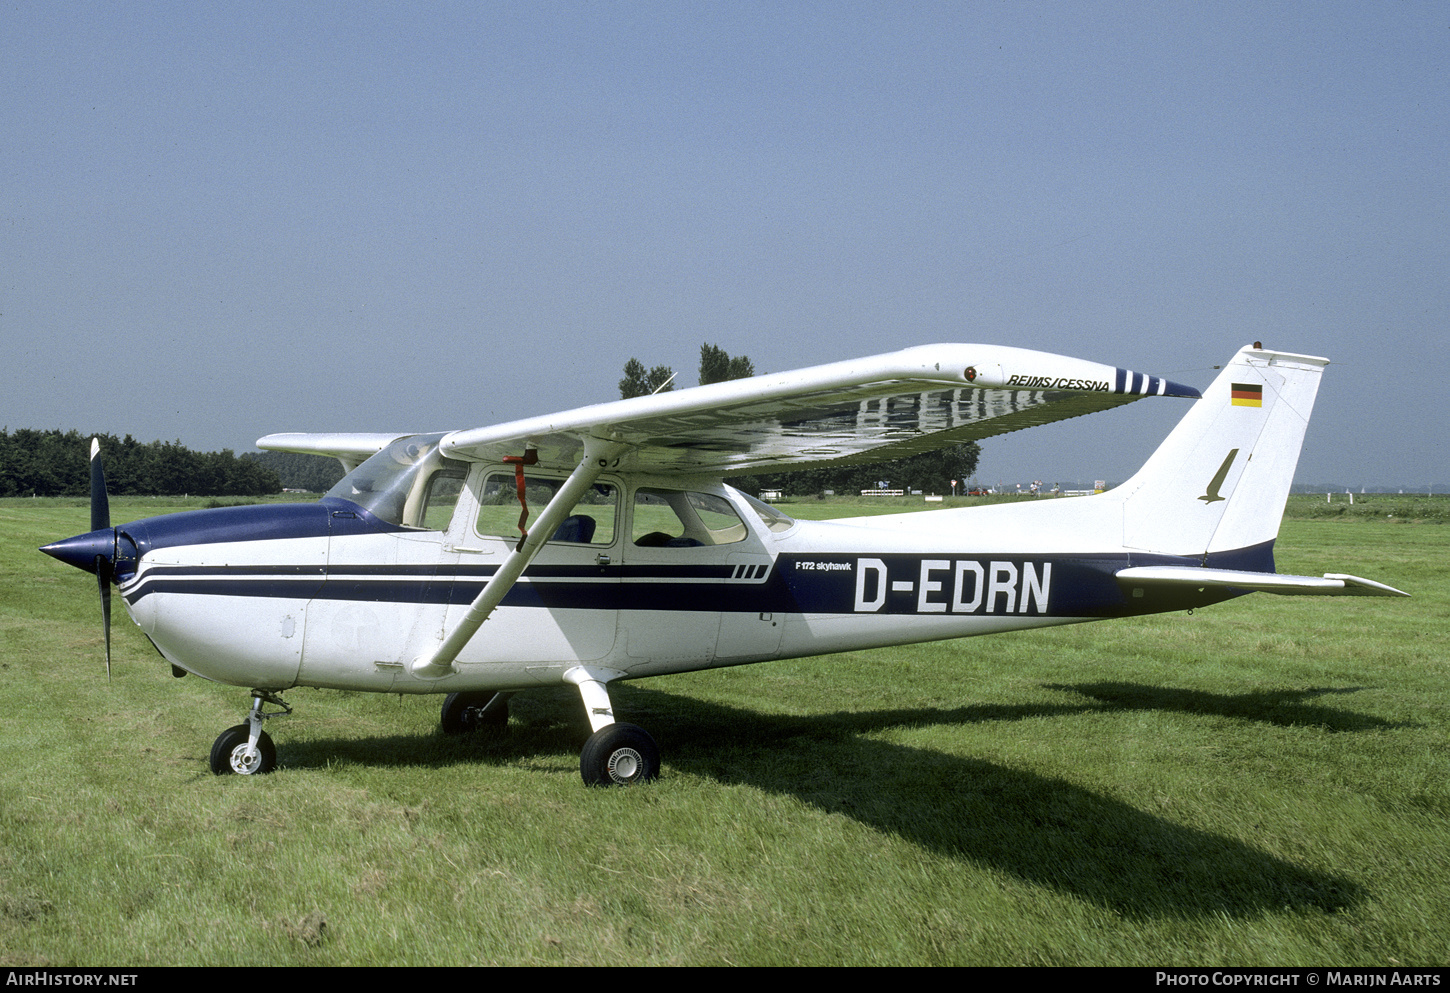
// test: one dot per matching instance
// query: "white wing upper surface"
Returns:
(862, 410)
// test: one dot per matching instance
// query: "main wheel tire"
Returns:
(463, 713)
(619, 755)
(229, 753)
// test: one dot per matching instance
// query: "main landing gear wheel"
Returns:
(619, 755)
(231, 753)
(464, 713)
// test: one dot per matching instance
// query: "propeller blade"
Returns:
(103, 580)
(96, 551)
(101, 518)
(100, 503)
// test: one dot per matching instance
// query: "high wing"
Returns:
(863, 410)
(351, 449)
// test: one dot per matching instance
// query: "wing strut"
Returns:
(597, 455)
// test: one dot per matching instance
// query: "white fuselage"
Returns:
(352, 608)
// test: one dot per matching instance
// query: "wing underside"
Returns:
(866, 410)
(351, 449)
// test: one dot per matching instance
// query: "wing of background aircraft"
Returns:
(863, 410)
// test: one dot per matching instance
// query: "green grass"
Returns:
(1262, 782)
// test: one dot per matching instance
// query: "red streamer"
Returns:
(530, 457)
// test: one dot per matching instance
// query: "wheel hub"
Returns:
(624, 765)
(245, 759)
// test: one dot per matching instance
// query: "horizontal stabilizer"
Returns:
(1332, 584)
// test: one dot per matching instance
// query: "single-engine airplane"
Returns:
(408, 577)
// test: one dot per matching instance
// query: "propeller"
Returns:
(95, 551)
(101, 518)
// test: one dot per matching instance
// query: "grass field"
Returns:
(1262, 782)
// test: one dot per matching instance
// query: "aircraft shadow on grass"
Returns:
(1284, 708)
(1044, 830)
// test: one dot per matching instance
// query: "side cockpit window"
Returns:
(592, 521)
(439, 499)
(683, 519)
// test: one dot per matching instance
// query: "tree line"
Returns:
(57, 463)
(930, 472)
(298, 471)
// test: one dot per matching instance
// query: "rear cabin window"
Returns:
(774, 519)
(683, 519)
(591, 523)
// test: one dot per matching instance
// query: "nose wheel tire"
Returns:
(231, 754)
(619, 755)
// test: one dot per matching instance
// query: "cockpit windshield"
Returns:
(395, 484)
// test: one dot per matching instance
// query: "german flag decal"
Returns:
(1248, 395)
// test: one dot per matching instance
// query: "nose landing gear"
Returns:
(246, 749)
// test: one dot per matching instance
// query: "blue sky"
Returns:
(220, 221)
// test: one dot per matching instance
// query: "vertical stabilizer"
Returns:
(1219, 482)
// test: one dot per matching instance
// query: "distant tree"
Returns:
(716, 365)
(640, 383)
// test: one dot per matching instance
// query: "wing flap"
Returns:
(1331, 584)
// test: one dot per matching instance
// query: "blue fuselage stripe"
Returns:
(1041, 585)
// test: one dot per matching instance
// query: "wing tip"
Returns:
(1140, 384)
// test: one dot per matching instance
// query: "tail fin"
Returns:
(1218, 483)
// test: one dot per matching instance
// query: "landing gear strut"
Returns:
(619, 755)
(246, 749)
(615, 754)
(464, 713)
